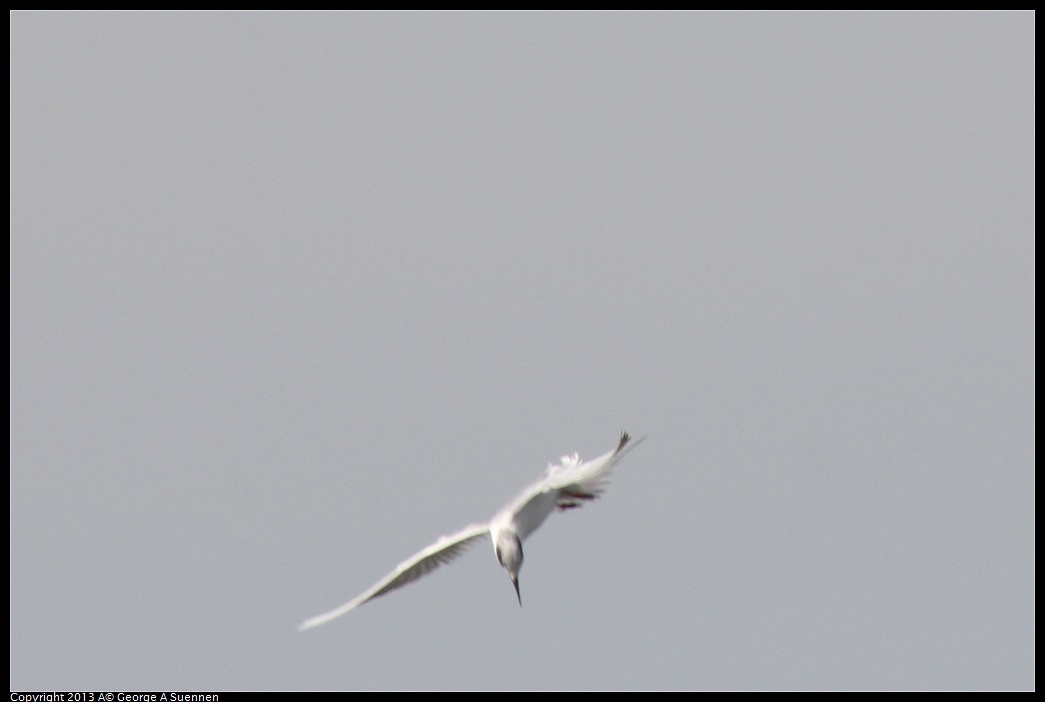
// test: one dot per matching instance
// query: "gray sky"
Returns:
(294, 294)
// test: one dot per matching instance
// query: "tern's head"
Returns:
(510, 555)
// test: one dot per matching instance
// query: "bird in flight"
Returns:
(564, 486)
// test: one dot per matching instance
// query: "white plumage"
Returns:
(565, 486)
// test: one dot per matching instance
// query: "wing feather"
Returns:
(446, 549)
(588, 480)
(565, 486)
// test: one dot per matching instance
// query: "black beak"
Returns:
(515, 582)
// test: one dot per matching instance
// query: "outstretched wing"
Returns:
(586, 481)
(565, 486)
(421, 563)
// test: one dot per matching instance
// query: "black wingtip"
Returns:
(624, 439)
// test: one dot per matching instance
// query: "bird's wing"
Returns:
(564, 487)
(421, 563)
(586, 481)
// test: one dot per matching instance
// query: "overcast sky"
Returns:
(294, 294)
